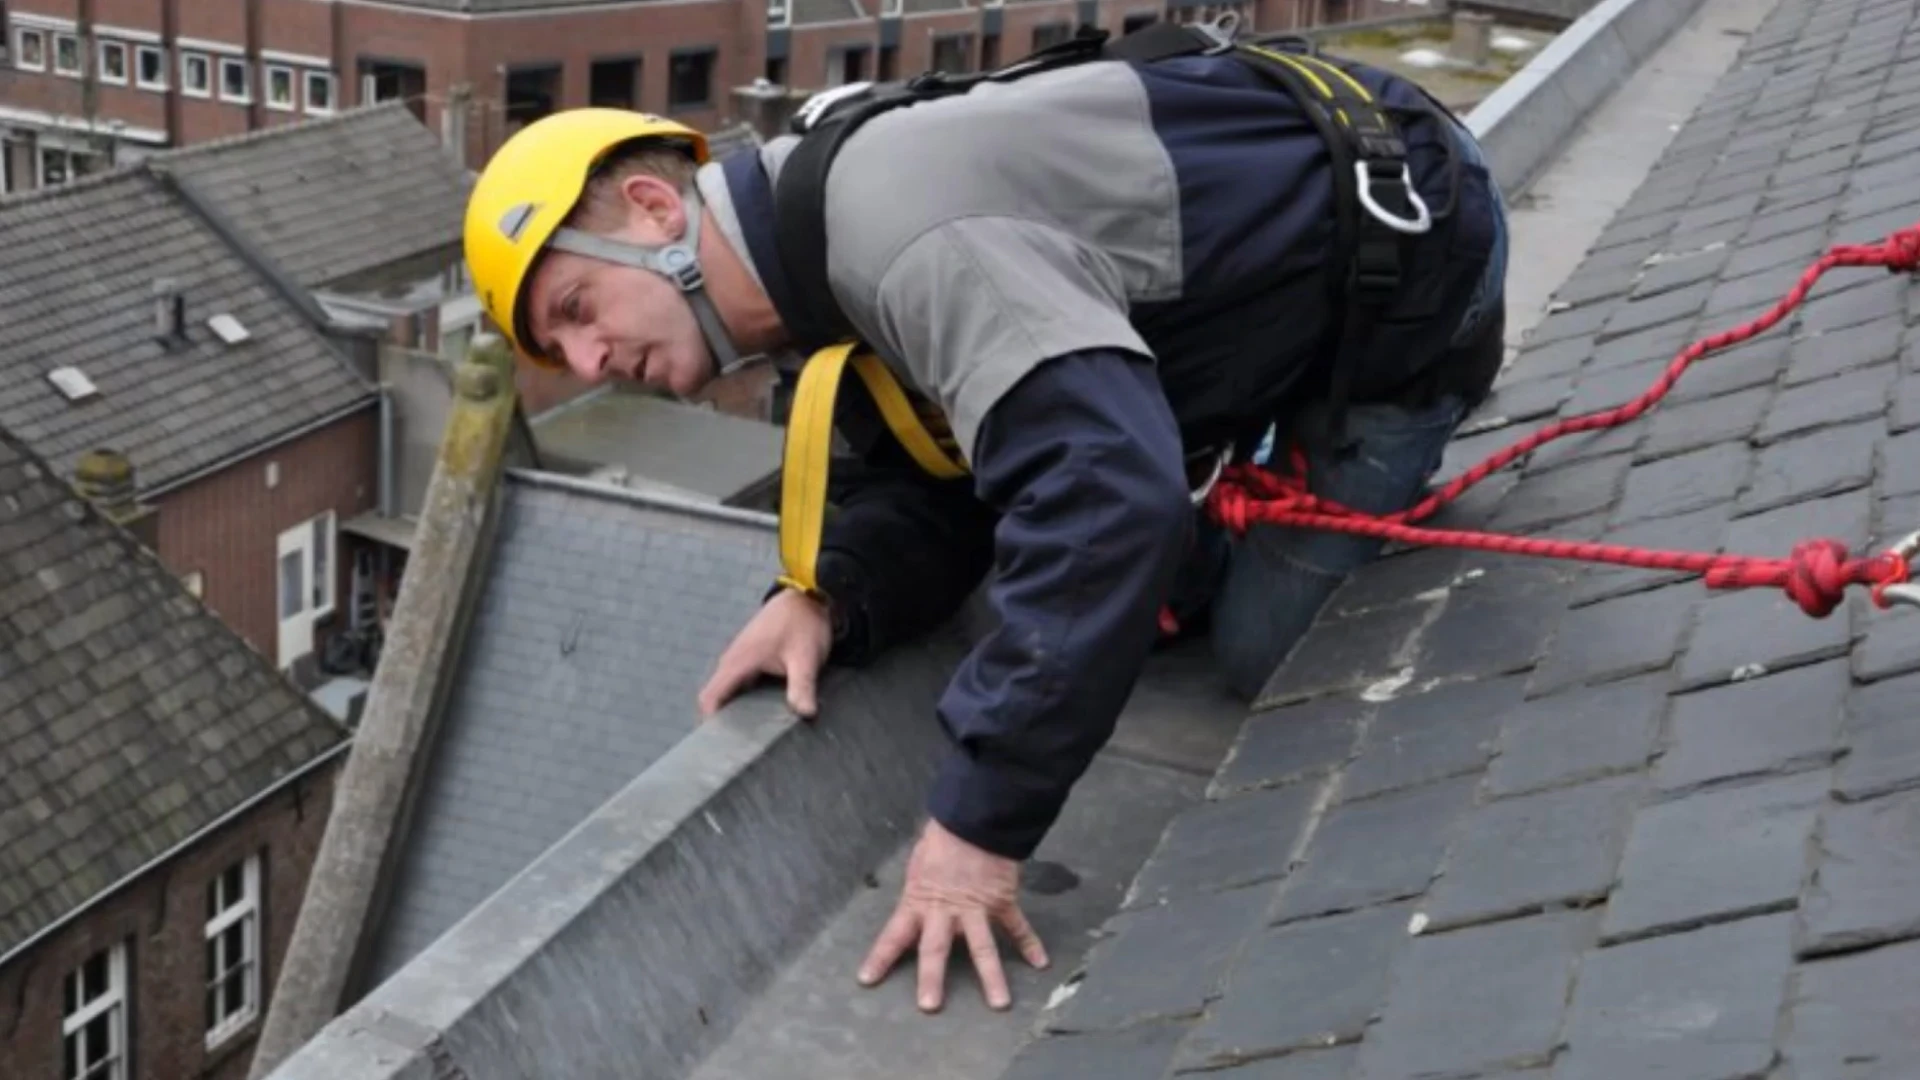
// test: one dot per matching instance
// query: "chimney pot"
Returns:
(169, 311)
(1472, 37)
(104, 477)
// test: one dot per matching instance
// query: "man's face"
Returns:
(606, 321)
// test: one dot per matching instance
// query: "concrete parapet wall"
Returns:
(375, 790)
(1525, 122)
(634, 945)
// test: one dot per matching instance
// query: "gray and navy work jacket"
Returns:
(1094, 272)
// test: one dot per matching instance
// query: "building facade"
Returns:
(167, 791)
(86, 83)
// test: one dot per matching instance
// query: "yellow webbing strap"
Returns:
(1306, 66)
(809, 450)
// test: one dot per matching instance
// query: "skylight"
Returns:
(229, 328)
(72, 382)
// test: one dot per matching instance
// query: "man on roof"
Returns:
(1071, 291)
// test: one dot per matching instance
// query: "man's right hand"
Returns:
(789, 637)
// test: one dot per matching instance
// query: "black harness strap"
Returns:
(1376, 207)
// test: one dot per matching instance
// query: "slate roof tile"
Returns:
(332, 198)
(122, 699)
(82, 262)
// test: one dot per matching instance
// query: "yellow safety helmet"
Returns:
(531, 184)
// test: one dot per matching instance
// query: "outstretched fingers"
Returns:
(936, 941)
(902, 930)
(1025, 939)
(986, 958)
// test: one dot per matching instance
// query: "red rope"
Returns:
(1815, 575)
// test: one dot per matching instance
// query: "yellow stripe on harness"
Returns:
(809, 450)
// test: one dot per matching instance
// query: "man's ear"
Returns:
(654, 205)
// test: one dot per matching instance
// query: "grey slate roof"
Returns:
(597, 619)
(130, 717)
(335, 197)
(702, 451)
(75, 291)
(1498, 814)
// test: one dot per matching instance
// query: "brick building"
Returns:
(88, 82)
(166, 791)
(134, 324)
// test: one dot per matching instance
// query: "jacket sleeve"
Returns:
(1082, 461)
(900, 552)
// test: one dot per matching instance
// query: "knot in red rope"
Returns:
(1818, 573)
(1249, 494)
(1903, 250)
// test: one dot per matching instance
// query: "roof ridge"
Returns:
(273, 131)
(653, 500)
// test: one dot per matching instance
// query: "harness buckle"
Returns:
(1909, 593)
(1422, 219)
(1220, 32)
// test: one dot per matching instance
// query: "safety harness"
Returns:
(1376, 205)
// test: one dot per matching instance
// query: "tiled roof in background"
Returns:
(1501, 816)
(130, 717)
(596, 622)
(76, 292)
(329, 199)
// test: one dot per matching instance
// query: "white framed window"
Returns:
(56, 165)
(233, 949)
(196, 74)
(778, 13)
(29, 49)
(280, 88)
(306, 574)
(236, 82)
(150, 67)
(66, 55)
(319, 90)
(113, 62)
(93, 1024)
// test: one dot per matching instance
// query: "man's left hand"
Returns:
(954, 886)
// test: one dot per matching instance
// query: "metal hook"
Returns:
(1908, 593)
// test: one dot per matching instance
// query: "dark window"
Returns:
(889, 64)
(690, 79)
(953, 53)
(1137, 22)
(1049, 34)
(777, 70)
(848, 65)
(531, 94)
(990, 52)
(614, 84)
(384, 80)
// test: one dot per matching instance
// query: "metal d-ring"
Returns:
(1392, 221)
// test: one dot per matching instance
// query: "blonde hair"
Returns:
(601, 208)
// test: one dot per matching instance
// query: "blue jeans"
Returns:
(1267, 586)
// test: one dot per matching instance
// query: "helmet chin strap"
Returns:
(677, 262)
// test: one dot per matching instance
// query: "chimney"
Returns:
(1472, 38)
(169, 312)
(767, 106)
(105, 478)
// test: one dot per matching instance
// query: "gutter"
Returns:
(243, 807)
